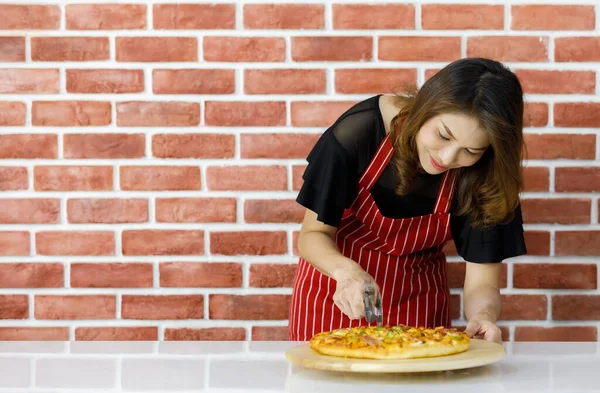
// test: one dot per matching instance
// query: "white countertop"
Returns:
(228, 367)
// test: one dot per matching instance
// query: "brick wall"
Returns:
(150, 154)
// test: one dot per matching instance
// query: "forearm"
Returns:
(483, 301)
(320, 250)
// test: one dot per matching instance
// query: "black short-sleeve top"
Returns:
(343, 153)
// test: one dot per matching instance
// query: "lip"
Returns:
(436, 165)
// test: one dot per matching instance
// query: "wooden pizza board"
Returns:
(480, 353)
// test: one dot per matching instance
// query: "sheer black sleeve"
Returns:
(491, 244)
(335, 164)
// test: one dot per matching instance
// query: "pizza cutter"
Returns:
(372, 300)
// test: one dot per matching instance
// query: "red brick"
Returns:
(557, 82)
(318, 113)
(374, 16)
(535, 114)
(580, 49)
(163, 307)
(248, 243)
(14, 307)
(12, 113)
(454, 307)
(285, 81)
(509, 48)
(332, 48)
(206, 334)
(577, 114)
(104, 145)
(557, 211)
(269, 333)
(577, 179)
(28, 146)
(141, 333)
(462, 17)
(577, 243)
(373, 80)
(555, 276)
(73, 178)
(537, 179)
(249, 307)
(272, 275)
(277, 145)
(194, 16)
(538, 242)
(232, 114)
(12, 49)
(431, 72)
(201, 275)
(157, 49)
(157, 114)
(29, 81)
(575, 307)
(411, 48)
(69, 48)
(23, 333)
(295, 236)
(107, 210)
(14, 243)
(556, 333)
(105, 81)
(29, 211)
(75, 243)
(31, 275)
(552, 17)
(160, 178)
(243, 49)
(105, 16)
(163, 242)
(524, 307)
(111, 275)
(193, 146)
(297, 172)
(246, 178)
(13, 178)
(71, 113)
(80, 307)
(29, 17)
(268, 210)
(196, 210)
(193, 81)
(284, 16)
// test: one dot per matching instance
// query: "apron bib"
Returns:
(404, 256)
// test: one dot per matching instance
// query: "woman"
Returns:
(395, 178)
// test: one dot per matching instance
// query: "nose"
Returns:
(447, 156)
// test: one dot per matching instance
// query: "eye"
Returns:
(470, 152)
(441, 136)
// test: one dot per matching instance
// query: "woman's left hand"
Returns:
(482, 327)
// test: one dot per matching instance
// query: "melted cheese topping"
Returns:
(387, 337)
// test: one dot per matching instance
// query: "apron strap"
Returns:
(378, 163)
(444, 200)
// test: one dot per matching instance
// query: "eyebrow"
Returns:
(452, 136)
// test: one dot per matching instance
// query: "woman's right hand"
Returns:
(350, 289)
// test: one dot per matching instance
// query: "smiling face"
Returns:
(449, 141)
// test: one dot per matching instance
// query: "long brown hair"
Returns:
(486, 90)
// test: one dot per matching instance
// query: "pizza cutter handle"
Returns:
(370, 311)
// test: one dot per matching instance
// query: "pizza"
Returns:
(390, 342)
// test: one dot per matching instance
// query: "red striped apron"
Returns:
(404, 256)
